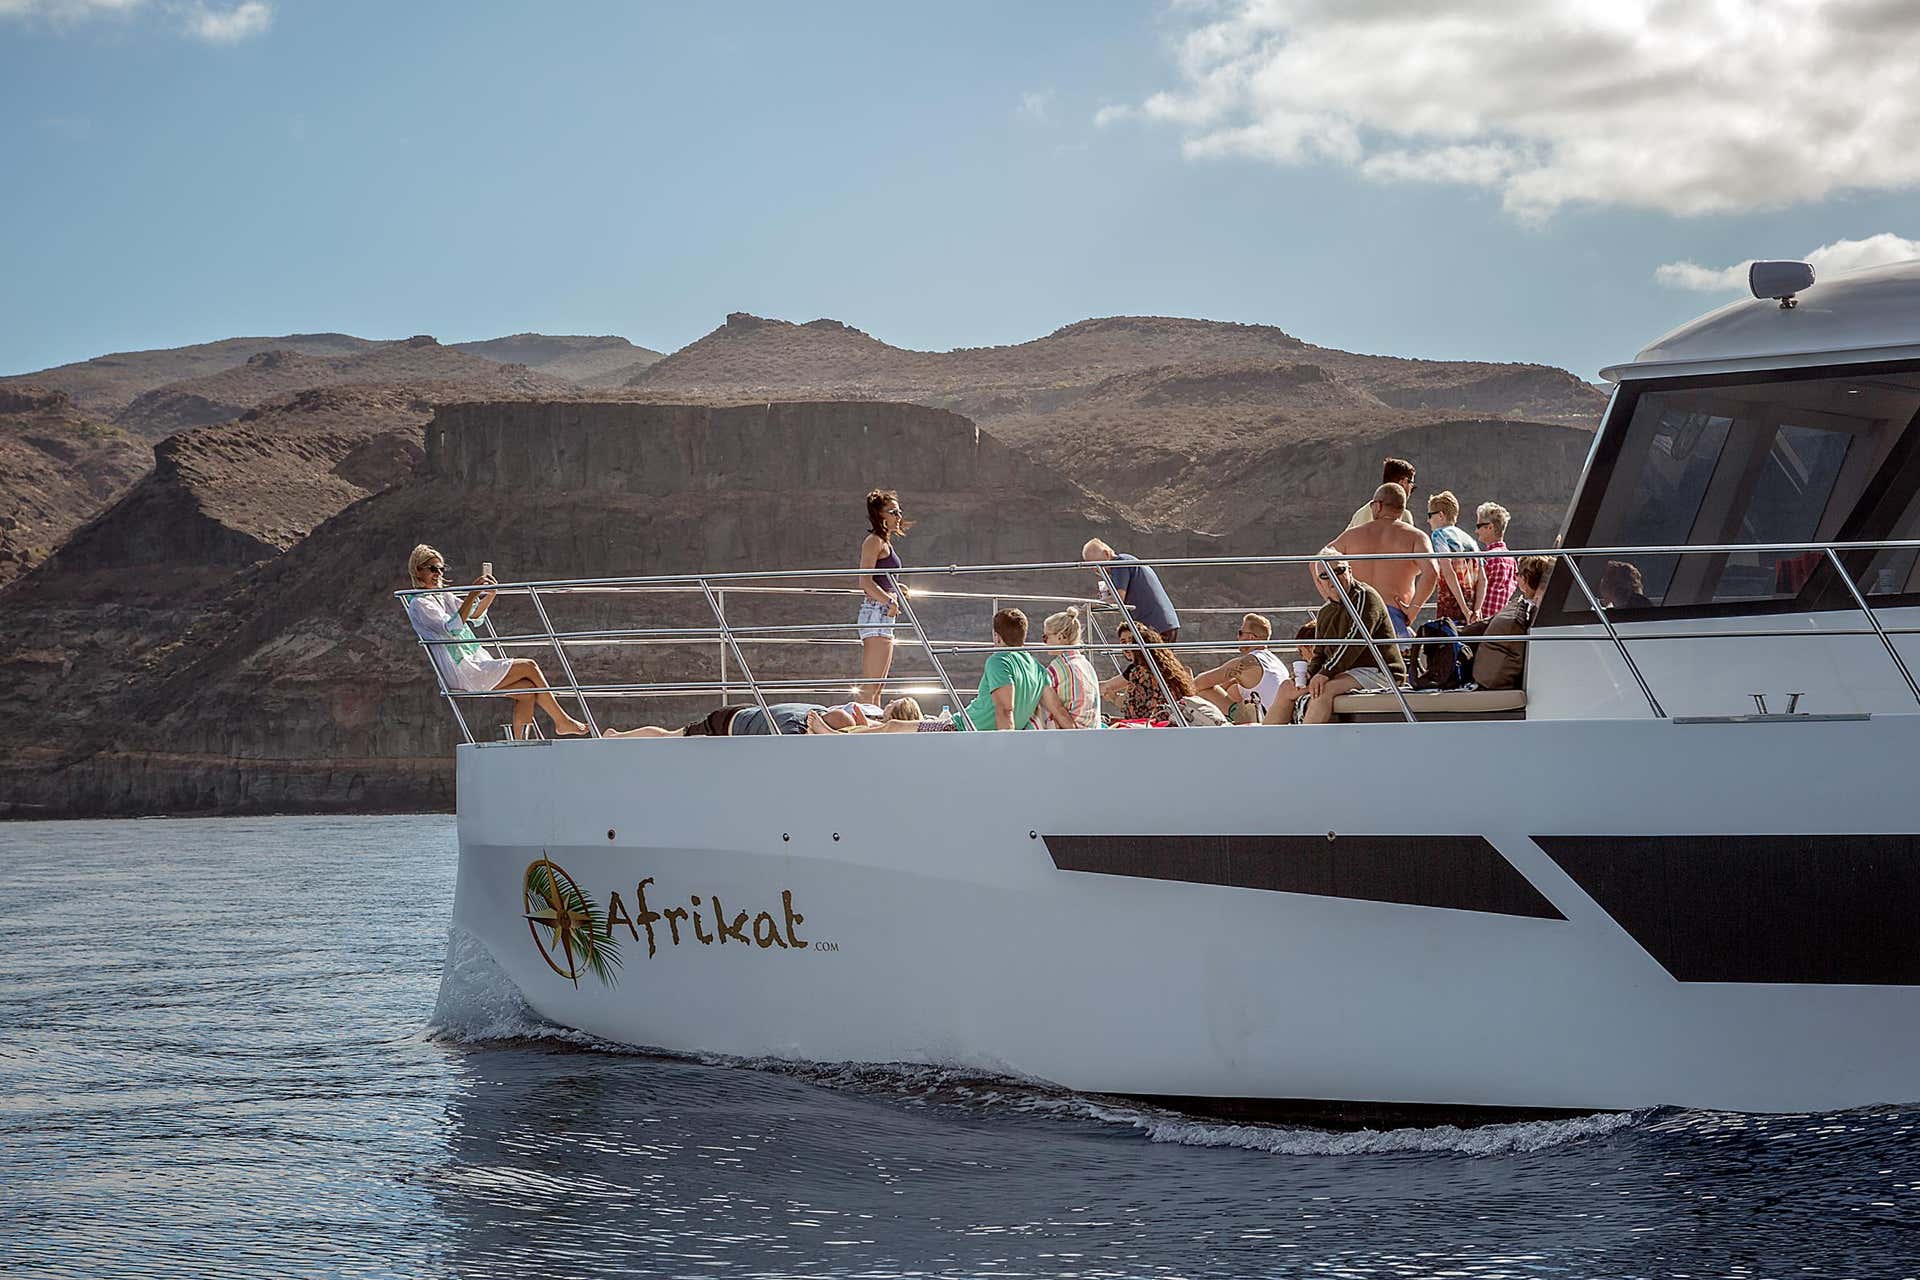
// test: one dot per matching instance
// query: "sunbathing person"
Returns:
(744, 720)
(467, 666)
(1244, 687)
(1335, 669)
(902, 715)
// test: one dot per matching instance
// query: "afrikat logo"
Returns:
(571, 935)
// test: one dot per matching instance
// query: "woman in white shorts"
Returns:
(879, 604)
(467, 666)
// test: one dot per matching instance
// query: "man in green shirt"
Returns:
(1014, 685)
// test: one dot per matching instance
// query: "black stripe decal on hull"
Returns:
(1821, 908)
(1462, 873)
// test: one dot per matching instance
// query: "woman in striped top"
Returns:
(1069, 673)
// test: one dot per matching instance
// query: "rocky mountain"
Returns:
(105, 385)
(584, 362)
(219, 397)
(60, 467)
(750, 356)
(293, 682)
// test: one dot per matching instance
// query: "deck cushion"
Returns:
(1438, 701)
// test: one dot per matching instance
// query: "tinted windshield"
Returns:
(1779, 458)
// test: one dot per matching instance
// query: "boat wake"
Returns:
(479, 1005)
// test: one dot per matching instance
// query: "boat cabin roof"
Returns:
(1860, 316)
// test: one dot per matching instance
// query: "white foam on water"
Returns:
(479, 1003)
(1476, 1140)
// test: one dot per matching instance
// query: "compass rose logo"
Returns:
(566, 929)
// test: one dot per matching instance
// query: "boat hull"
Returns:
(1460, 914)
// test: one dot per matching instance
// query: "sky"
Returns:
(1557, 181)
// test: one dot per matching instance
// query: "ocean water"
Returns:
(221, 1054)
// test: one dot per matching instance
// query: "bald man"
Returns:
(1141, 594)
(1403, 584)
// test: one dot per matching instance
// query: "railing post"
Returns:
(906, 607)
(566, 667)
(1593, 602)
(447, 693)
(1373, 647)
(1173, 707)
(746, 672)
(1100, 638)
(1874, 622)
(726, 692)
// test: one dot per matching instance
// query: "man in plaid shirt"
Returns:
(1496, 584)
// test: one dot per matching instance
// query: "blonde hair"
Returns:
(1448, 504)
(1065, 624)
(1496, 515)
(1258, 624)
(1533, 570)
(419, 556)
(904, 709)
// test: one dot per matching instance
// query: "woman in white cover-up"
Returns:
(466, 665)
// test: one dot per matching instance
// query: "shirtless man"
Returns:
(1403, 584)
(1245, 687)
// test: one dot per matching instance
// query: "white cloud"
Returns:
(215, 24)
(1035, 104)
(1112, 113)
(66, 11)
(1683, 106)
(1828, 260)
(243, 21)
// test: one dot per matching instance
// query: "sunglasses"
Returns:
(433, 568)
(1484, 524)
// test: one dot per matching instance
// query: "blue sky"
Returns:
(939, 176)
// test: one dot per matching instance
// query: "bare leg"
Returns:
(1281, 712)
(525, 673)
(522, 715)
(876, 659)
(835, 718)
(817, 723)
(1320, 709)
(644, 731)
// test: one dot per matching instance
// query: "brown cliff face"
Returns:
(60, 468)
(297, 684)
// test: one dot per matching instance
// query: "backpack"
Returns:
(1440, 666)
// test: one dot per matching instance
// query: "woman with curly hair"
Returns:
(1137, 689)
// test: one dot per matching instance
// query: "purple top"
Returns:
(887, 561)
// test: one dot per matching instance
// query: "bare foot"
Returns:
(817, 723)
(569, 728)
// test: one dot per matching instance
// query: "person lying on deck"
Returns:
(746, 720)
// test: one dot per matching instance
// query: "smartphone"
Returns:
(486, 568)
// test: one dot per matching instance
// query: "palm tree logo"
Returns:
(564, 924)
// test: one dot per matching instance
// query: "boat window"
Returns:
(1782, 458)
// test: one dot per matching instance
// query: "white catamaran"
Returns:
(1681, 867)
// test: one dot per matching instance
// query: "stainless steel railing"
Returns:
(732, 640)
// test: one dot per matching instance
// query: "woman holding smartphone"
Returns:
(879, 605)
(467, 666)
